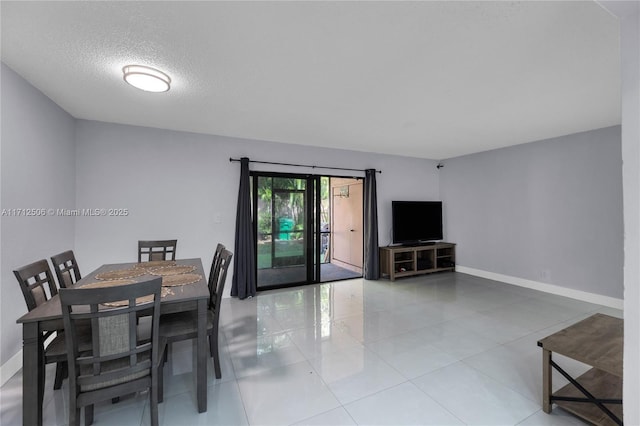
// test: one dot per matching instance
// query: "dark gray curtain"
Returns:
(371, 253)
(244, 279)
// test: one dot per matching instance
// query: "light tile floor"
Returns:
(444, 349)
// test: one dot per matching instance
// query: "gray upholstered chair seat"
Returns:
(57, 347)
(183, 325)
(112, 368)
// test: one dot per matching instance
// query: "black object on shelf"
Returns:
(446, 264)
(423, 264)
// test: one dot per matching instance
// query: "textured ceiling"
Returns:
(424, 79)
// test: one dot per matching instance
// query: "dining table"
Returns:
(176, 297)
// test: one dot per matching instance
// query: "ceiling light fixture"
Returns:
(146, 78)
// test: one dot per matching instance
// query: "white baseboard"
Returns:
(584, 296)
(11, 367)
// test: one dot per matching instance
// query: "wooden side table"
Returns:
(595, 396)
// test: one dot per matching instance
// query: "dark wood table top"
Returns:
(596, 341)
(51, 310)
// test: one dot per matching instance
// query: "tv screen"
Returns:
(416, 221)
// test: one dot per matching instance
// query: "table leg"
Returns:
(202, 350)
(546, 381)
(32, 374)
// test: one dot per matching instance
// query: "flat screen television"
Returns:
(416, 222)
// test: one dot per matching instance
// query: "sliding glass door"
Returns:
(308, 228)
(285, 222)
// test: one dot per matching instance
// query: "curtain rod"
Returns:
(301, 165)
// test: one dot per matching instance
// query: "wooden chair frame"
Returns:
(215, 267)
(37, 285)
(215, 299)
(66, 268)
(183, 326)
(119, 362)
(36, 282)
(157, 250)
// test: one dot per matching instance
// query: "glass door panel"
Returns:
(282, 232)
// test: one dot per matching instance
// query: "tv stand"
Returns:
(418, 244)
(406, 261)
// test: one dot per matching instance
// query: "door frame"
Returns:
(350, 183)
(311, 231)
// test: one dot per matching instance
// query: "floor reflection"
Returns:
(440, 349)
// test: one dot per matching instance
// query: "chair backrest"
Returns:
(214, 268)
(36, 282)
(157, 250)
(215, 296)
(118, 354)
(66, 268)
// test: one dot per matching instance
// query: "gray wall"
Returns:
(38, 171)
(548, 211)
(630, 76)
(174, 185)
(182, 185)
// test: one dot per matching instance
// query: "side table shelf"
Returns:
(595, 396)
(598, 382)
(406, 261)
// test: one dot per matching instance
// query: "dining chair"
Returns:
(157, 250)
(184, 325)
(216, 287)
(214, 263)
(38, 286)
(66, 268)
(121, 361)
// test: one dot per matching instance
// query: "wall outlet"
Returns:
(545, 275)
(217, 218)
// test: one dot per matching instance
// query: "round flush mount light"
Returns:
(146, 78)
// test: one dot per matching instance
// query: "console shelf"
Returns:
(406, 261)
(595, 396)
